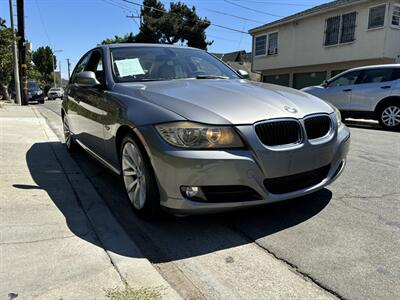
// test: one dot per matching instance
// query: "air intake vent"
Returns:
(287, 184)
(279, 133)
(317, 127)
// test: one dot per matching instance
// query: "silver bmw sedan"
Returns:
(188, 134)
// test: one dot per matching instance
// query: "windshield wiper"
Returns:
(211, 77)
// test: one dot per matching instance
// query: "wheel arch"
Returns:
(385, 101)
(124, 130)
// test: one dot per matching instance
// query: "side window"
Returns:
(95, 64)
(396, 74)
(80, 66)
(346, 79)
(376, 75)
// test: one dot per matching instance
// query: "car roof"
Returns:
(376, 67)
(124, 45)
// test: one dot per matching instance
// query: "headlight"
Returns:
(193, 135)
(338, 116)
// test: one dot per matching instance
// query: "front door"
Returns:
(90, 115)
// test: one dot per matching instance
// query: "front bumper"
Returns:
(175, 168)
(36, 97)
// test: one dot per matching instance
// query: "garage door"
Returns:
(282, 79)
(301, 80)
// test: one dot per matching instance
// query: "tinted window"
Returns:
(376, 75)
(95, 64)
(165, 63)
(33, 86)
(346, 79)
(396, 74)
(80, 66)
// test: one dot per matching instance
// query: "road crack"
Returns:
(292, 267)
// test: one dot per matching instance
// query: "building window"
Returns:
(273, 43)
(340, 29)
(348, 28)
(396, 16)
(377, 16)
(261, 45)
(332, 31)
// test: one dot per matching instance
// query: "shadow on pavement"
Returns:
(364, 124)
(169, 238)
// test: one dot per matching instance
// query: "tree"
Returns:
(43, 59)
(179, 24)
(6, 59)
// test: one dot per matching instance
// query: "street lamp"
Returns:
(54, 74)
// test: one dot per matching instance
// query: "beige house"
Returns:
(306, 48)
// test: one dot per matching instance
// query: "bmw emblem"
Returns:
(290, 109)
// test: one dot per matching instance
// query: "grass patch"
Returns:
(128, 293)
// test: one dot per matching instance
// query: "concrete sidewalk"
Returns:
(58, 238)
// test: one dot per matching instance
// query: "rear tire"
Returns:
(389, 116)
(139, 179)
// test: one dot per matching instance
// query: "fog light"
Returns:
(190, 191)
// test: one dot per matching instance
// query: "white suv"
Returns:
(366, 92)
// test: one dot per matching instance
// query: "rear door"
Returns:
(372, 86)
(339, 90)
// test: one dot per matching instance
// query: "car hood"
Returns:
(226, 101)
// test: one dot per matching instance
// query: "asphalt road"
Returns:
(344, 239)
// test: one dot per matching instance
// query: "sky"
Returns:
(76, 26)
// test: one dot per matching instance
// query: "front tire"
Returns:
(139, 179)
(389, 116)
(70, 143)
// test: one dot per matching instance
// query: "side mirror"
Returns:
(243, 74)
(86, 79)
(325, 83)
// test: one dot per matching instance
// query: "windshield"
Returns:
(164, 63)
(55, 89)
(32, 86)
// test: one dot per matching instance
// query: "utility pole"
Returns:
(54, 72)
(59, 66)
(22, 51)
(69, 66)
(54, 69)
(136, 17)
(17, 86)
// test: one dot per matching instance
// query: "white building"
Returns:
(318, 43)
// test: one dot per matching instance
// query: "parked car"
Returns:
(188, 133)
(55, 93)
(35, 93)
(368, 92)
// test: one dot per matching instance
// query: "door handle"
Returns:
(386, 87)
(347, 90)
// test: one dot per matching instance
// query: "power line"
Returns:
(251, 9)
(43, 25)
(233, 16)
(116, 5)
(166, 12)
(277, 3)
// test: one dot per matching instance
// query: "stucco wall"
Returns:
(300, 43)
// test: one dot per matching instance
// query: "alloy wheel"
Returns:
(133, 172)
(391, 116)
(67, 133)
